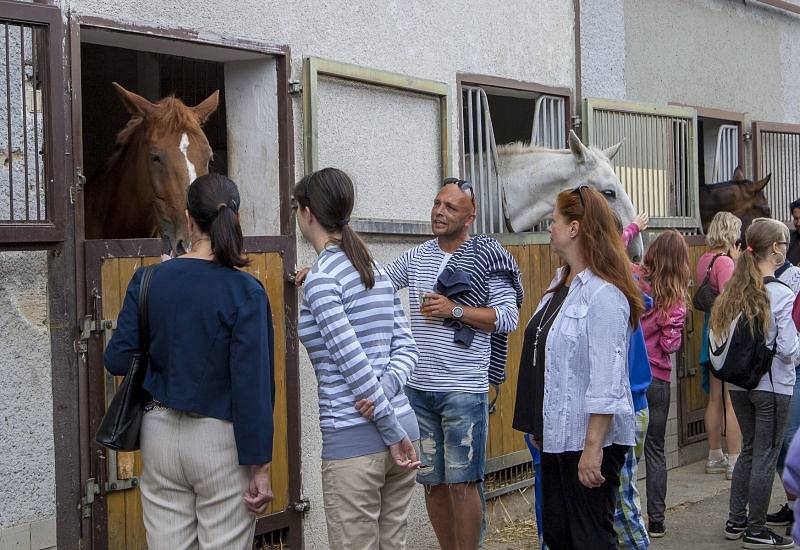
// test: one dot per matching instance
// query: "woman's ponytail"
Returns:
(227, 241)
(213, 203)
(358, 254)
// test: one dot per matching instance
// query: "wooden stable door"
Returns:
(118, 510)
(691, 397)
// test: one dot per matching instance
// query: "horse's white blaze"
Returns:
(185, 150)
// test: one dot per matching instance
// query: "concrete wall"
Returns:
(735, 56)
(27, 461)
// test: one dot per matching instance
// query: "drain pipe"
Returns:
(576, 113)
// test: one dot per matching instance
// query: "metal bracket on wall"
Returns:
(295, 87)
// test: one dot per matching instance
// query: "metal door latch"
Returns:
(90, 489)
(301, 506)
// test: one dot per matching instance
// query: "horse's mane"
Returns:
(522, 147)
(170, 116)
(726, 183)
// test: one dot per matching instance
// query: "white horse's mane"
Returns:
(523, 147)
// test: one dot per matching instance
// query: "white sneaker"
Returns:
(729, 471)
(719, 466)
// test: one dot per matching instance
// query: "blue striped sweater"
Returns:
(361, 347)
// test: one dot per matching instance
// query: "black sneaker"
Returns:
(766, 538)
(734, 531)
(656, 529)
(784, 516)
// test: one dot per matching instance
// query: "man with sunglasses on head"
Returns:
(465, 293)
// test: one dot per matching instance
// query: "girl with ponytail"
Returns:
(206, 436)
(358, 339)
(766, 304)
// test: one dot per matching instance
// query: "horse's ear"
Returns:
(758, 186)
(738, 174)
(612, 151)
(134, 103)
(579, 150)
(206, 108)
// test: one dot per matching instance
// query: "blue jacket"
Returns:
(211, 347)
(638, 364)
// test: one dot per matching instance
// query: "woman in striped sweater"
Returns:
(355, 331)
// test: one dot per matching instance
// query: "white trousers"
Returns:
(192, 484)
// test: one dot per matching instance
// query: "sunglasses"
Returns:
(464, 185)
(577, 191)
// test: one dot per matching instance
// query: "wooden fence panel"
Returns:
(691, 397)
(538, 265)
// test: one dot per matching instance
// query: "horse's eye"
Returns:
(154, 157)
(610, 194)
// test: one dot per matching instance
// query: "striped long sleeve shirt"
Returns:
(360, 344)
(443, 365)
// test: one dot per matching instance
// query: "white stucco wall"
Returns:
(27, 460)
(735, 56)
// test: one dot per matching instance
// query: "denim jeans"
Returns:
(453, 427)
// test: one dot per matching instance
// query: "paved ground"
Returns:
(697, 507)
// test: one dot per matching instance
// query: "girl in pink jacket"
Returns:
(664, 276)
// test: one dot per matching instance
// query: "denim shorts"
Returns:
(453, 428)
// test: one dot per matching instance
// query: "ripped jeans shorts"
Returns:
(453, 428)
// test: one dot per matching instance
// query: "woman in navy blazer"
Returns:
(206, 436)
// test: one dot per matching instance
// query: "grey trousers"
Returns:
(192, 484)
(656, 481)
(762, 421)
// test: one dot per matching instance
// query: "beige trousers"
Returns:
(366, 502)
(192, 484)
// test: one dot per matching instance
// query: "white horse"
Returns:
(531, 178)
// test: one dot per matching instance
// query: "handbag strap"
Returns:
(144, 322)
(710, 266)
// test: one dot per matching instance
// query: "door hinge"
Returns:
(90, 489)
(89, 326)
(78, 186)
(302, 506)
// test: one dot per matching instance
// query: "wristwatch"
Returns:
(457, 312)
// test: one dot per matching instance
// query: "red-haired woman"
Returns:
(582, 396)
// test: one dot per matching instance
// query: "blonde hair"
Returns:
(724, 230)
(745, 292)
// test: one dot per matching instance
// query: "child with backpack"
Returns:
(753, 345)
(664, 276)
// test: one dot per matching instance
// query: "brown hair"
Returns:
(745, 292)
(601, 244)
(330, 195)
(666, 265)
(213, 203)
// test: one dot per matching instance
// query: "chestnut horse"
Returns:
(141, 191)
(741, 197)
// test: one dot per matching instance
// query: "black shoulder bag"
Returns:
(120, 427)
(705, 296)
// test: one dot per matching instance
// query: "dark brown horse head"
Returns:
(158, 154)
(741, 197)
